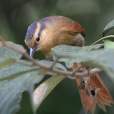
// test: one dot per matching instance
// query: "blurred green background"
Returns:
(93, 15)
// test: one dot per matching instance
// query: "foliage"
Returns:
(17, 75)
(16, 78)
(86, 57)
(109, 26)
(109, 44)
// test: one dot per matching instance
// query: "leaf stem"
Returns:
(54, 63)
(76, 70)
(106, 37)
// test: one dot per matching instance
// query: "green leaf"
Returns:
(108, 44)
(101, 58)
(71, 54)
(14, 71)
(8, 53)
(15, 79)
(44, 90)
(6, 62)
(108, 27)
(11, 90)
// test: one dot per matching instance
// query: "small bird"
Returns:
(57, 30)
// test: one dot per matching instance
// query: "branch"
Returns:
(76, 75)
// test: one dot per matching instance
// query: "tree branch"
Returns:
(92, 72)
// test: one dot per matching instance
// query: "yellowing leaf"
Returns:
(44, 89)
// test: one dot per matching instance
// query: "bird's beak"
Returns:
(32, 50)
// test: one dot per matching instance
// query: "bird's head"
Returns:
(38, 36)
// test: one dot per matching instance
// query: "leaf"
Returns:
(8, 53)
(15, 69)
(108, 27)
(11, 94)
(108, 44)
(47, 86)
(49, 72)
(67, 53)
(11, 91)
(6, 62)
(15, 79)
(42, 91)
(101, 58)
(44, 71)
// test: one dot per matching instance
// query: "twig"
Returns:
(58, 71)
(89, 70)
(69, 74)
(73, 73)
(54, 63)
(91, 73)
(103, 38)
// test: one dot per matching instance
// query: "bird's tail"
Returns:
(93, 91)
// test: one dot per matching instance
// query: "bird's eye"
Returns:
(38, 38)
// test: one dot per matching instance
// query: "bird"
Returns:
(57, 30)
